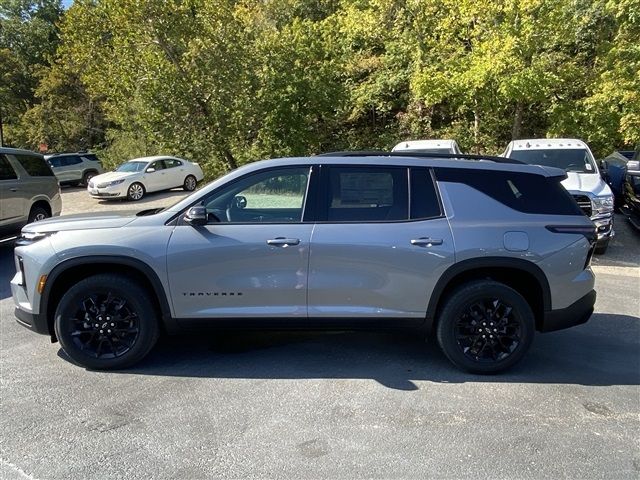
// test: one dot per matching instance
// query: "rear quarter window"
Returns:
(524, 192)
(35, 166)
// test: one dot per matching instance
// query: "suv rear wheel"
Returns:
(106, 322)
(37, 213)
(485, 327)
(86, 178)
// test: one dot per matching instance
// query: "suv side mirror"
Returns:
(633, 165)
(196, 216)
(151, 170)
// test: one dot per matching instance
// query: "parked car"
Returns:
(75, 168)
(133, 179)
(28, 189)
(482, 253)
(583, 181)
(631, 193)
(428, 146)
(613, 169)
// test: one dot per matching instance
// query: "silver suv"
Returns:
(75, 168)
(29, 191)
(481, 253)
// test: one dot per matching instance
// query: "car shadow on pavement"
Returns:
(605, 351)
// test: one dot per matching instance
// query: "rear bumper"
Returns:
(575, 314)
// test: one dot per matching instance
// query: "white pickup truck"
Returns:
(583, 181)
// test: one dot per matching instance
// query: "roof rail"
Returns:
(463, 156)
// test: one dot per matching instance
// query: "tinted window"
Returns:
(569, 159)
(55, 161)
(367, 194)
(6, 170)
(72, 160)
(90, 156)
(158, 165)
(525, 192)
(171, 163)
(35, 166)
(424, 200)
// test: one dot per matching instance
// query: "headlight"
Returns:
(603, 204)
(28, 238)
(111, 184)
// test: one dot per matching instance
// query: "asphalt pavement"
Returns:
(332, 405)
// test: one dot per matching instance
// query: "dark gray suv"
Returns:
(479, 252)
(29, 191)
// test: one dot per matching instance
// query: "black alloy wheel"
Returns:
(488, 331)
(485, 327)
(105, 326)
(106, 322)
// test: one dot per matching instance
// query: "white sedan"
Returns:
(135, 178)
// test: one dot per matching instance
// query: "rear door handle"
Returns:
(426, 242)
(283, 242)
(13, 189)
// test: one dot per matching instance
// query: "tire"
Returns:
(86, 178)
(110, 339)
(135, 191)
(37, 213)
(464, 346)
(190, 183)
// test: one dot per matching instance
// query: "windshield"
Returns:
(131, 167)
(570, 160)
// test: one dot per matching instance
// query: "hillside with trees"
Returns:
(228, 82)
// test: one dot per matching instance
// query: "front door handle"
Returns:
(426, 241)
(13, 189)
(283, 242)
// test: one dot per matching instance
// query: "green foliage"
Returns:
(225, 82)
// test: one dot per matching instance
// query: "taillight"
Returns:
(588, 231)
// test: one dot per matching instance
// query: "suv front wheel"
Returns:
(485, 327)
(106, 322)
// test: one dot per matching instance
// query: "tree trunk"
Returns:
(476, 126)
(516, 129)
(229, 158)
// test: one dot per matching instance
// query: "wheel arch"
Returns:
(523, 276)
(41, 203)
(71, 271)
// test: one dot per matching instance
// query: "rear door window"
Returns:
(424, 199)
(171, 163)
(367, 194)
(35, 166)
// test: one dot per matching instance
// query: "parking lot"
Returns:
(329, 405)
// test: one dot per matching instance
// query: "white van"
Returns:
(583, 181)
(428, 146)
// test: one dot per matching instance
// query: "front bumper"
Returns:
(118, 191)
(575, 314)
(604, 227)
(32, 321)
